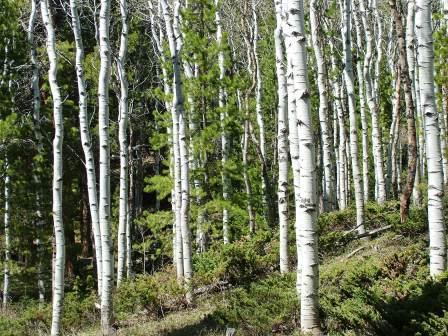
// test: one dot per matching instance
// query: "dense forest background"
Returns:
(207, 167)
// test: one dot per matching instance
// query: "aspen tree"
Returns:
(282, 136)
(59, 258)
(123, 121)
(86, 139)
(104, 171)
(307, 210)
(437, 239)
(348, 76)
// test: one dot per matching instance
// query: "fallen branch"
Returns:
(373, 232)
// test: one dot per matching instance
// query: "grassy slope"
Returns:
(382, 289)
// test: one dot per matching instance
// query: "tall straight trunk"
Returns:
(342, 153)
(348, 76)
(265, 181)
(394, 133)
(362, 108)
(410, 110)
(59, 260)
(437, 239)
(282, 136)
(373, 105)
(293, 141)
(40, 148)
(328, 189)
(104, 179)
(306, 212)
(123, 121)
(181, 166)
(86, 140)
(224, 133)
(6, 223)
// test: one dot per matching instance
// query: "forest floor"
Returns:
(375, 287)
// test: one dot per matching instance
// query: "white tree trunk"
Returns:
(437, 238)
(282, 138)
(362, 108)
(306, 212)
(181, 166)
(348, 75)
(59, 260)
(104, 179)
(123, 120)
(328, 189)
(6, 223)
(373, 105)
(86, 139)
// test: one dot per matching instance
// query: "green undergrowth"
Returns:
(367, 287)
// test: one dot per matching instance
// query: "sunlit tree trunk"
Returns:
(282, 138)
(348, 76)
(306, 212)
(104, 179)
(59, 260)
(372, 103)
(181, 166)
(123, 120)
(86, 138)
(328, 189)
(6, 223)
(362, 108)
(437, 238)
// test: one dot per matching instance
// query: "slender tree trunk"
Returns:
(265, 182)
(362, 108)
(104, 179)
(410, 110)
(123, 121)
(437, 238)
(282, 136)
(373, 105)
(328, 190)
(59, 260)
(348, 75)
(181, 167)
(6, 223)
(86, 139)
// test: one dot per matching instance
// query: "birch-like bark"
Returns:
(265, 182)
(181, 167)
(373, 104)
(362, 108)
(86, 138)
(40, 148)
(282, 138)
(437, 239)
(349, 83)
(293, 141)
(306, 212)
(342, 153)
(59, 260)
(223, 117)
(6, 223)
(123, 120)
(328, 188)
(104, 179)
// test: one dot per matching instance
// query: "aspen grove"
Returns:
(223, 167)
